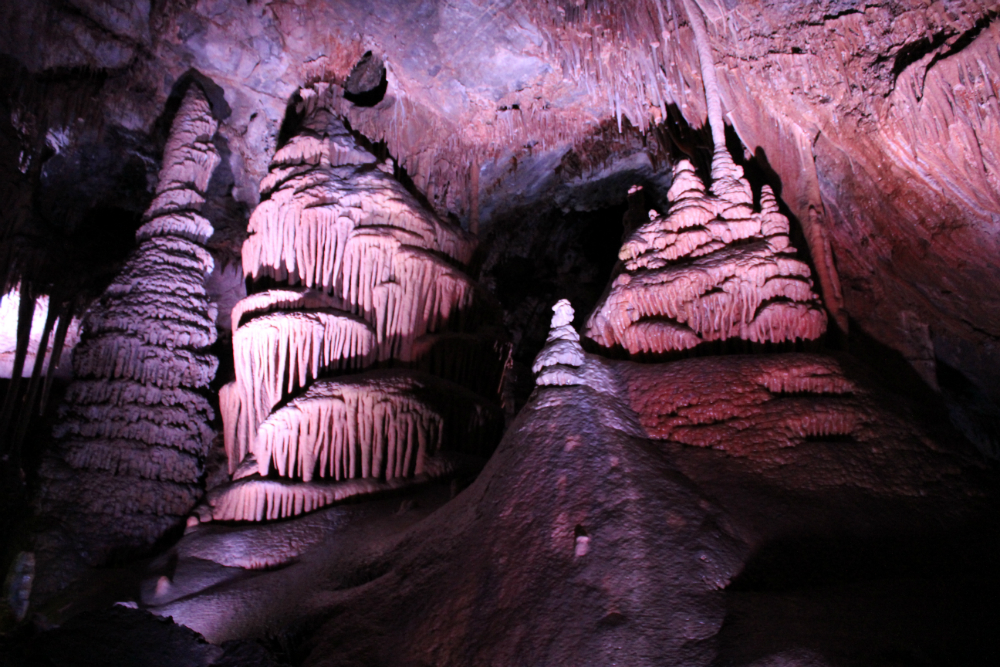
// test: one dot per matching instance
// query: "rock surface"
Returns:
(647, 529)
(764, 510)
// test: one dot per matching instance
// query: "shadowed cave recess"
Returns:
(651, 332)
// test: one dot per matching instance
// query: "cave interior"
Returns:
(643, 332)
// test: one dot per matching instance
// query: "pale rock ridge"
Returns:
(133, 431)
(711, 269)
(379, 284)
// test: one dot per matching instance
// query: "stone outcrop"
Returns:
(623, 524)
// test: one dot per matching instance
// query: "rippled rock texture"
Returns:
(134, 430)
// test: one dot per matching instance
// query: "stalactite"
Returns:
(26, 309)
(280, 353)
(66, 321)
(380, 425)
(133, 431)
(256, 499)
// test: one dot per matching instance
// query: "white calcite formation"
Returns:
(372, 279)
(134, 426)
(561, 361)
(332, 221)
(711, 269)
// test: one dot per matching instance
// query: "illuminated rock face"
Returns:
(711, 269)
(134, 428)
(377, 285)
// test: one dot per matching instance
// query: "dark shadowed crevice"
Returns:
(970, 408)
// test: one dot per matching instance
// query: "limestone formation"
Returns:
(710, 270)
(134, 426)
(561, 360)
(377, 283)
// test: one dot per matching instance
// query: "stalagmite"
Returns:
(711, 269)
(561, 360)
(378, 285)
(133, 431)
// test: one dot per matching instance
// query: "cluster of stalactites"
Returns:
(332, 221)
(711, 269)
(357, 434)
(290, 339)
(373, 279)
(133, 430)
(326, 199)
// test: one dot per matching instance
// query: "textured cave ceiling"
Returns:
(876, 126)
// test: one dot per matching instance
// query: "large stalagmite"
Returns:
(134, 426)
(377, 283)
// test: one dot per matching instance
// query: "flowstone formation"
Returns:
(134, 430)
(711, 269)
(373, 282)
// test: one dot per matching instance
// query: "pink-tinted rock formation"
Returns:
(134, 426)
(711, 269)
(379, 284)
(879, 121)
(794, 419)
(610, 525)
